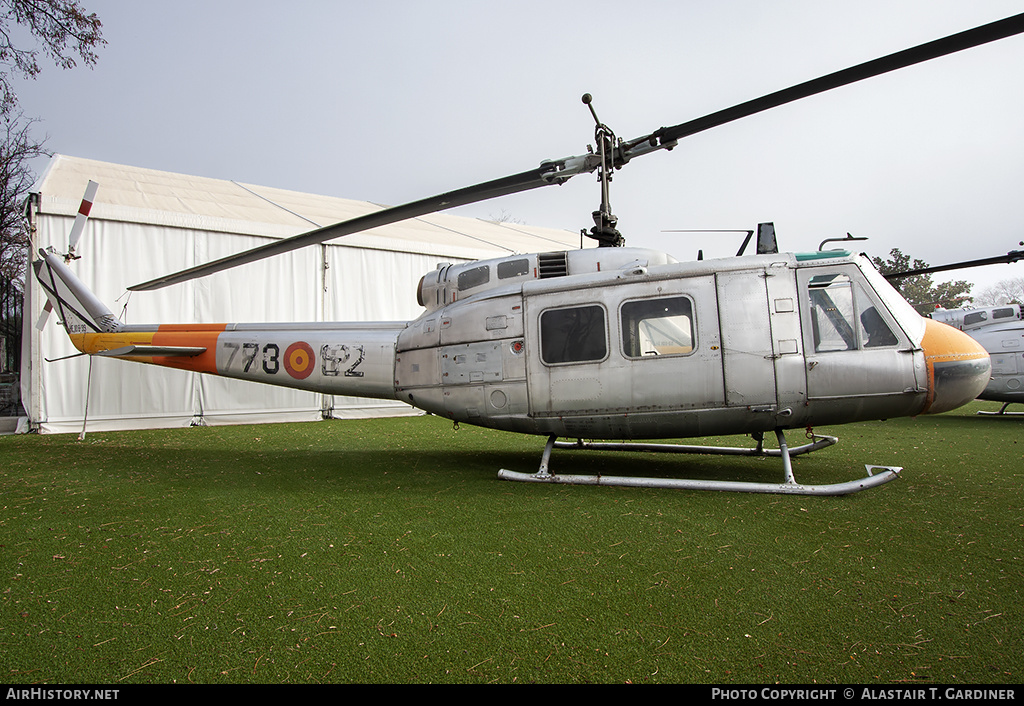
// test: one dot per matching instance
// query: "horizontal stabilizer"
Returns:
(186, 351)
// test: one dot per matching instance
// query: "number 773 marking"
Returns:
(249, 352)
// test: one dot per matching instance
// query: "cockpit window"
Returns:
(843, 317)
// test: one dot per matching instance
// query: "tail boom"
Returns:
(354, 359)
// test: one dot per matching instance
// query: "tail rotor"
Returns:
(76, 234)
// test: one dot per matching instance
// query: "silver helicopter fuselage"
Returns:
(604, 343)
(627, 343)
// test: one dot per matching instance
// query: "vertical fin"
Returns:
(79, 309)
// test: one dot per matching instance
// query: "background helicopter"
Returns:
(567, 331)
(999, 329)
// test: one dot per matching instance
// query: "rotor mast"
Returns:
(604, 230)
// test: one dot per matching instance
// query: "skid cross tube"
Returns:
(876, 475)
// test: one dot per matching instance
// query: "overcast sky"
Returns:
(392, 101)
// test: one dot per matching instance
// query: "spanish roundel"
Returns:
(299, 360)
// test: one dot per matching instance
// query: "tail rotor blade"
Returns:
(80, 219)
(44, 315)
(76, 234)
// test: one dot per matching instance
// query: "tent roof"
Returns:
(136, 195)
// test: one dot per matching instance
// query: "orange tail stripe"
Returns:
(190, 335)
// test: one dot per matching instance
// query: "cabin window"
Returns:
(656, 327)
(1004, 313)
(843, 317)
(474, 277)
(513, 268)
(975, 317)
(573, 335)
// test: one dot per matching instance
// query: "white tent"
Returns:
(147, 223)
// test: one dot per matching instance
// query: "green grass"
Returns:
(388, 551)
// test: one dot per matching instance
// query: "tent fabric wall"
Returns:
(146, 223)
(129, 395)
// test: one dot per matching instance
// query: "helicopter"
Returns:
(1000, 330)
(614, 345)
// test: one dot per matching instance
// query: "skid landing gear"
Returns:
(1002, 412)
(877, 475)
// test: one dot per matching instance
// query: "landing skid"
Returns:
(788, 486)
(1002, 412)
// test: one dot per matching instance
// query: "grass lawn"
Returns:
(388, 551)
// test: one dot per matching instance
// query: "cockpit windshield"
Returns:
(843, 316)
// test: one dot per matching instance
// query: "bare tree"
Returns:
(505, 217)
(1006, 291)
(61, 30)
(17, 149)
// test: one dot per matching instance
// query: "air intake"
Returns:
(553, 264)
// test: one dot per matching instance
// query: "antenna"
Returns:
(847, 239)
(746, 241)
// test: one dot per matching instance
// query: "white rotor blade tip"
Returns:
(44, 315)
(83, 215)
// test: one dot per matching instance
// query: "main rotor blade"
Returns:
(561, 170)
(984, 34)
(1008, 258)
(541, 176)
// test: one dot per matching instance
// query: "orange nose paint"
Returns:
(958, 367)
